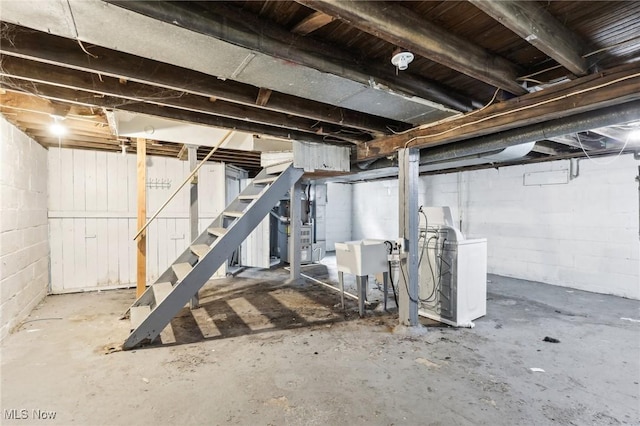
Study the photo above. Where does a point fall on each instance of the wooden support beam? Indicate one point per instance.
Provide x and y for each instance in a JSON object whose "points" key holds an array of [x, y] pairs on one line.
{"points": [[243, 159], [312, 22], [193, 209], [182, 155], [402, 27], [90, 99], [230, 23], [28, 72], [531, 21], [42, 47], [592, 92], [263, 96], [141, 258]]}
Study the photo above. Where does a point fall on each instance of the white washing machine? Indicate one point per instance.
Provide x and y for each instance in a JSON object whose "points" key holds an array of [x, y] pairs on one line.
{"points": [[452, 271]]}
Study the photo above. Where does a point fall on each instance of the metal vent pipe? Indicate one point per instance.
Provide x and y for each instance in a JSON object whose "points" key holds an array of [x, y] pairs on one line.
{"points": [[609, 116]]}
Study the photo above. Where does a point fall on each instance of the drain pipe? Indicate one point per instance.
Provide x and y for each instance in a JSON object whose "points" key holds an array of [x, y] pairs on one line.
{"points": [[574, 168], [618, 114]]}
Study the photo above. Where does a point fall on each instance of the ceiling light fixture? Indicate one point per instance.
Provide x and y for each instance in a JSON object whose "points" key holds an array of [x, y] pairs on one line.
{"points": [[57, 128], [402, 60]]}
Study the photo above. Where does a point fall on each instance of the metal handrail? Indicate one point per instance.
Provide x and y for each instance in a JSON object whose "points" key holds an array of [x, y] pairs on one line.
{"points": [[191, 175]]}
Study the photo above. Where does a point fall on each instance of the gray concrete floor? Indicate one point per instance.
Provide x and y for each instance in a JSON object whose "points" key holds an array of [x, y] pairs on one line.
{"points": [[260, 352]]}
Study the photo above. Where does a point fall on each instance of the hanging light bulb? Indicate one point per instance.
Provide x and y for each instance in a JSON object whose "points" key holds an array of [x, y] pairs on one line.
{"points": [[57, 128]]}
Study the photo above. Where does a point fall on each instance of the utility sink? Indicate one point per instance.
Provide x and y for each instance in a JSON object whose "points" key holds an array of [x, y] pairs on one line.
{"points": [[363, 257]]}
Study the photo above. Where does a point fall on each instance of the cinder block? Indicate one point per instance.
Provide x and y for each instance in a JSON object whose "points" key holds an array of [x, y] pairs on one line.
{"points": [[9, 310], [10, 241], [9, 195], [12, 285], [8, 265], [8, 220], [41, 266]]}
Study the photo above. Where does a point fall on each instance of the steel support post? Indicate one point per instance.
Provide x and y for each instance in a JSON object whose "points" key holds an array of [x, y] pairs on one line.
{"points": [[409, 161], [295, 224]]}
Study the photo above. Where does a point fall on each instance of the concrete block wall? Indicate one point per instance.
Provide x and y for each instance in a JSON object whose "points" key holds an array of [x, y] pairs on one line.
{"points": [[581, 234], [375, 210], [24, 243], [338, 214]]}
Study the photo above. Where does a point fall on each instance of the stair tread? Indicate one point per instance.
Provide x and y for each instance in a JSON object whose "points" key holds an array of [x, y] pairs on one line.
{"points": [[218, 232], [248, 197], [232, 213], [200, 249], [278, 168], [139, 314], [181, 269], [268, 179], [161, 291]]}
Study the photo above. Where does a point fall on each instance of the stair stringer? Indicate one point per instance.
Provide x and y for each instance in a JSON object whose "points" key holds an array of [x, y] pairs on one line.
{"points": [[183, 290]]}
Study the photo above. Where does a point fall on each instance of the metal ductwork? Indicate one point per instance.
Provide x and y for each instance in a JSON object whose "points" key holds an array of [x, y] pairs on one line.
{"points": [[480, 146]]}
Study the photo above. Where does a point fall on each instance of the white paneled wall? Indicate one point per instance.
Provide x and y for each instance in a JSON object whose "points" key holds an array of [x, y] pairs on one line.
{"points": [[338, 213], [92, 215], [581, 234], [24, 249]]}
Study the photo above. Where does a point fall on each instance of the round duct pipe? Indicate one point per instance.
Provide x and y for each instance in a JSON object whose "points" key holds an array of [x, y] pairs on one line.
{"points": [[480, 146]]}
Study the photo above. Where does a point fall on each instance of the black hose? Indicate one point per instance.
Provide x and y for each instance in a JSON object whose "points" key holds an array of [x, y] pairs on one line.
{"points": [[393, 287]]}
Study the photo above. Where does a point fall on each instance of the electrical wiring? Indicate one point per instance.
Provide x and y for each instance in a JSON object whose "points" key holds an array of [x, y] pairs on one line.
{"points": [[603, 163], [437, 287], [393, 287], [406, 286], [433, 274], [452, 118]]}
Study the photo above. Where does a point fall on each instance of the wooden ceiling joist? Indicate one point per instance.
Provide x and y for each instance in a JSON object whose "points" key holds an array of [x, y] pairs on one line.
{"points": [[230, 23], [36, 72], [531, 21], [399, 25], [263, 96], [42, 47], [312, 22], [87, 98]]}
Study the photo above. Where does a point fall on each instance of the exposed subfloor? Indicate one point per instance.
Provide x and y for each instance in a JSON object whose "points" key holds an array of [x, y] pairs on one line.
{"points": [[261, 352]]}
